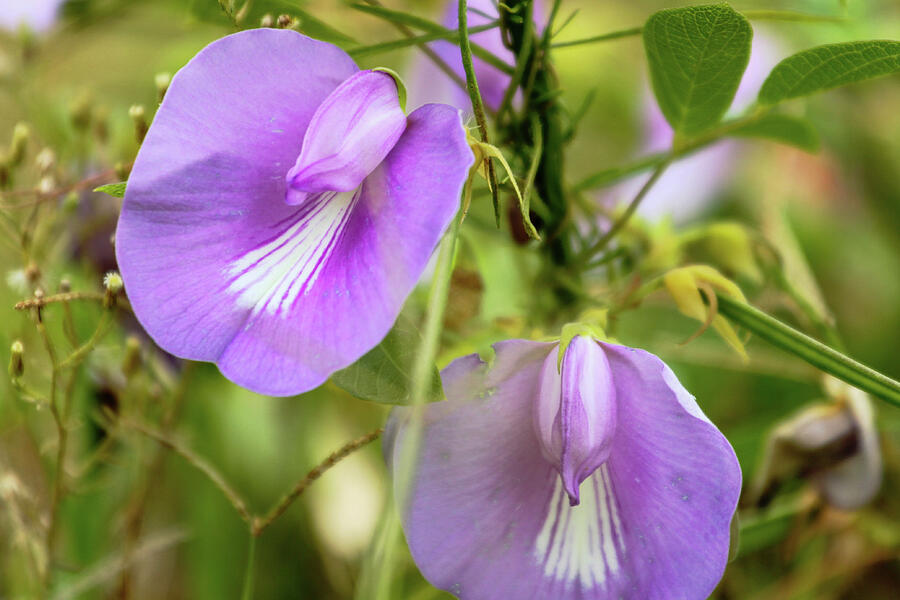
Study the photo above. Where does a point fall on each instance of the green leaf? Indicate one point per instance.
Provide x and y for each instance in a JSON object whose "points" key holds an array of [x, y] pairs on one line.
{"points": [[116, 190], [786, 129], [825, 67], [384, 374], [697, 56]]}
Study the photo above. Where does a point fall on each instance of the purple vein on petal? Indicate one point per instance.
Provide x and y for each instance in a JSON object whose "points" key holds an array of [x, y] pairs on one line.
{"points": [[272, 276], [582, 542]]}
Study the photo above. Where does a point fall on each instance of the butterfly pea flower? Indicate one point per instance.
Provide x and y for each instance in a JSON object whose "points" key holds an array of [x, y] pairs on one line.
{"points": [[282, 207], [592, 475]]}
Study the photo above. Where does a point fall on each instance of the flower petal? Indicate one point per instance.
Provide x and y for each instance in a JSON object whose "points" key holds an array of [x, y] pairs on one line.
{"points": [[853, 482], [367, 261], [349, 135], [488, 516], [219, 268], [675, 477], [576, 412]]}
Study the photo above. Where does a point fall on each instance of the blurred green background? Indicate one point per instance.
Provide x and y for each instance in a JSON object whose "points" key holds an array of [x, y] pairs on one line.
{"points": [[74, 83]]}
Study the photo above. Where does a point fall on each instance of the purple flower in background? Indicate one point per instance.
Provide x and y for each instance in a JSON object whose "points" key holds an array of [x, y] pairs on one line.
{"points": [[690, 184], [38, 15], [282, 208], [600, 479], [433, 85]]}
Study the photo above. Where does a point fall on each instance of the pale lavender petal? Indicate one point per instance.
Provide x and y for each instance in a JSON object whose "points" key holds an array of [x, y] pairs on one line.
{"points": [[489, 517], [349, 135], [676, 479], [576, 412], [38, 15], [853, 482], [219, 268]]}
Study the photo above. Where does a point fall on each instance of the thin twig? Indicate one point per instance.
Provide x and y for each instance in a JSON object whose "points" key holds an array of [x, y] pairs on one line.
{"points": [[88, 183], [66, 297], [62, 436], [614, 35], [196, 461], [80, 353], [450, 34], [260, 524], [626, 216]]}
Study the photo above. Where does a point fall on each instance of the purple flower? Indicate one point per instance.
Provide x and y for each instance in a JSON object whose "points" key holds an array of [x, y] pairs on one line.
{"points": [[433, 85], [282, 208], [602, 479]]}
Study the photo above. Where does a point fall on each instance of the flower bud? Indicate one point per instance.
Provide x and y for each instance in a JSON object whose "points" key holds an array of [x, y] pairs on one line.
{"points": [[19, 143], [162, 81], [71, 201], [267, 21], [101, 125], [113, 283], [65, 286], [137, 114], [684, 285], [80, 111], [16, 360], [285, 21], [45, 161], [46, 185], [730, 245], [32, 274], [132, 361]]}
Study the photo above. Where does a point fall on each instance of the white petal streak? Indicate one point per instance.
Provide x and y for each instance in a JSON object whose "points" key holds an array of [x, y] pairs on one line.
{"points": [[271, 276], [582, 543]]}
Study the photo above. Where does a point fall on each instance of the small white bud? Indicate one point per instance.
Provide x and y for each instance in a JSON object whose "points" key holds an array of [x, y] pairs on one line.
{"points": [[45, 160]]}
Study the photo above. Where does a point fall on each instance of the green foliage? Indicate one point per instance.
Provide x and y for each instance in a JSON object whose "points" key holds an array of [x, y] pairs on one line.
{"points": [[697, 56], [829, 66], [785, 129], [116, 190], [384, 374]]}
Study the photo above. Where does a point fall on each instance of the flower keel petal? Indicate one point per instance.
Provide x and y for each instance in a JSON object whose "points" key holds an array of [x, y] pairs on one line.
{"points": [[350, 134]]}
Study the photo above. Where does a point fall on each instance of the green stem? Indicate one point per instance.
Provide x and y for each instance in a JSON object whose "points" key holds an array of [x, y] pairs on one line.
{"points": [[250, 573], [78, 355], [465, 49], [679, 150], [421, 381], [812, 351], [515, 81], [450, 34], [756, 15], [626, 216], [614, 35]]}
